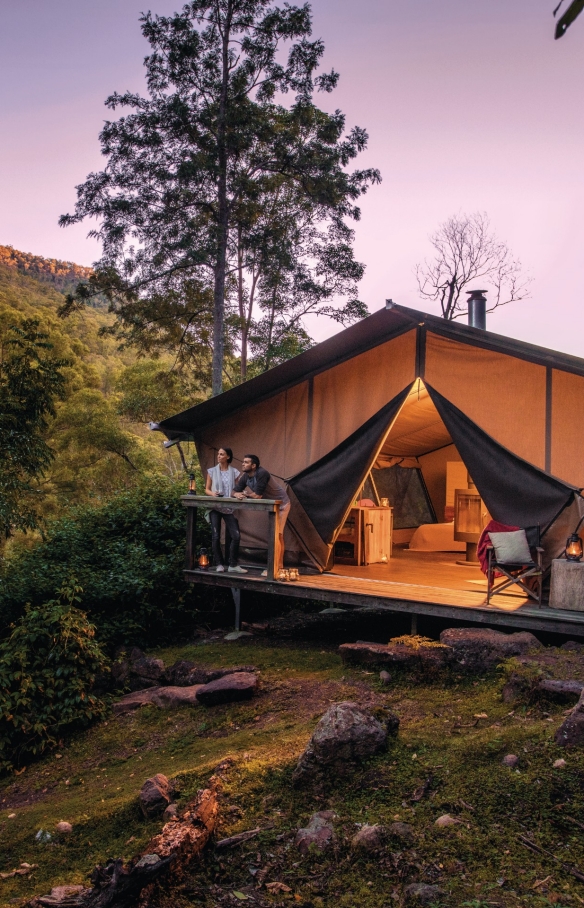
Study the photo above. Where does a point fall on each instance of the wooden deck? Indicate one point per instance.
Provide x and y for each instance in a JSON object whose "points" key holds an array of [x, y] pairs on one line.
{"points": [[416, 583]]}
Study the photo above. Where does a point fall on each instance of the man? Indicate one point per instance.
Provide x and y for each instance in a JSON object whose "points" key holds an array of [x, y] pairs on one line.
{"points": [[256, 482]]}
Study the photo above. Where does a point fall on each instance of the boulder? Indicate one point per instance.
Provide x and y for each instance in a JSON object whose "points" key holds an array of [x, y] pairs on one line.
{"points": [[401, 832], [516, 687], [228, 689], [64, 828], [155, 795], [385, 677], [153, 669], [120, 672], [185, 674], [369, 838], [396, 655], [318, 833], [571, 731], [133, 701], [170, 812], [481, 649], [422, 894], [173, 697], [344, 736]]}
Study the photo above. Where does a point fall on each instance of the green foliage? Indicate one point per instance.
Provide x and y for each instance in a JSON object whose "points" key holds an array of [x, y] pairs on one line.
{"points": [[48, 666], [128, 555], [31, 380], [210, 176]]}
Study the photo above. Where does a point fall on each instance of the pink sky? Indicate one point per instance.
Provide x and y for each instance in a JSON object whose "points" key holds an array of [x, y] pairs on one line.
{"points": [[469, 106]]}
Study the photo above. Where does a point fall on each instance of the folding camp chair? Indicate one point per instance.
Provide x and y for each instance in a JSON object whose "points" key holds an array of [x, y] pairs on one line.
{"points": [[527, 575]]}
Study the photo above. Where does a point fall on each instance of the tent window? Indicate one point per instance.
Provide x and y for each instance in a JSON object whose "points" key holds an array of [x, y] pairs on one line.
{"points": [[406, 491]]}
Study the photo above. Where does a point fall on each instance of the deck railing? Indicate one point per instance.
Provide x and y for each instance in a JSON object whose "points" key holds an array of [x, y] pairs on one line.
{"points": [[192, 502]]}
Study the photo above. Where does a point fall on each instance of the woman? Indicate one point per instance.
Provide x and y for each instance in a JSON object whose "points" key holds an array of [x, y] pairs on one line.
{"points": [[220, 481]]}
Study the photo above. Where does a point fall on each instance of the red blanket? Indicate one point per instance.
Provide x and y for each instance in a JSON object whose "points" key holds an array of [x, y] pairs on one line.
{"points": [[485, 540]]}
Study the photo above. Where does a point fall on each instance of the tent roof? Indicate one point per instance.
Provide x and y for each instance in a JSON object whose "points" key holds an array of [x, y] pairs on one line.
{"points": [[370, 332], [418, 428]]}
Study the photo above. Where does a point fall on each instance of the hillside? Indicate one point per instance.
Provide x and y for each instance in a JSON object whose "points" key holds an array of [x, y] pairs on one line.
{"points": [[100, 432]]}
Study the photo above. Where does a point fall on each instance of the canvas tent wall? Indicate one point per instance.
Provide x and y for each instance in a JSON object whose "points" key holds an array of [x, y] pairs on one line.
{"points": [[311, 411]]}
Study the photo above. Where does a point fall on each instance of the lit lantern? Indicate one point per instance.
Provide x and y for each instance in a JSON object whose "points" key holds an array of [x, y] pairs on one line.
{"points": [[574, 549], [192, 484], [203, 560]]}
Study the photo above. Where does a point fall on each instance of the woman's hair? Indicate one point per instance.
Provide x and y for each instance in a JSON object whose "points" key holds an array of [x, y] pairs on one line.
{"points": [[228, 451]]}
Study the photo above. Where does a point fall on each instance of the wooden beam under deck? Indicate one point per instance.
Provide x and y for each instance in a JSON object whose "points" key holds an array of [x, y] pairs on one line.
{"points": [[413, 599]]}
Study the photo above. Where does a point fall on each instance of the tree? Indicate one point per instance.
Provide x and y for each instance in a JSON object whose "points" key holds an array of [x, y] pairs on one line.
{"points": [[466, 251], [191, 163], [31, 380]]}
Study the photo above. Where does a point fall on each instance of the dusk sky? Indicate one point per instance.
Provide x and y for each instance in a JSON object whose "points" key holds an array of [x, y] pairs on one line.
{"points": [[469, 106]]}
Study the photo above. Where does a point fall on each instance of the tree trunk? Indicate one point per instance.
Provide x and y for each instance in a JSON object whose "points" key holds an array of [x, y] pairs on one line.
{"points": [[222, 217]]}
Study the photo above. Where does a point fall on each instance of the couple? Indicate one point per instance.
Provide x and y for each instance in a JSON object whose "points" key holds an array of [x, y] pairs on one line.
{"points": [[224, 481]]}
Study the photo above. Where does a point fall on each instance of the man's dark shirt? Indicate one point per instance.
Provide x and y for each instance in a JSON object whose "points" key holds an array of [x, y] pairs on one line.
{"points": [[262, 484]]}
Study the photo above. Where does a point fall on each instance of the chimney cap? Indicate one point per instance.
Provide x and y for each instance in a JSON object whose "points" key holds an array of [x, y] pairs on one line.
{"points": [[476, 293]]}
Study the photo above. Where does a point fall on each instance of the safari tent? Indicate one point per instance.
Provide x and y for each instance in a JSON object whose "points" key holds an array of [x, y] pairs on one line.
{"points": [[395, 402]]}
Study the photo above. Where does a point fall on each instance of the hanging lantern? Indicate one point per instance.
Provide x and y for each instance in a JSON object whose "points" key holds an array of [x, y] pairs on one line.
{"points": [[203, 560], [574, 549], [192, 484]]}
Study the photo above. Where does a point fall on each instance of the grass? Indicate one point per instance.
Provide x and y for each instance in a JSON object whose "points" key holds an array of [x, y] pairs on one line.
{"points": [[93, 782]]}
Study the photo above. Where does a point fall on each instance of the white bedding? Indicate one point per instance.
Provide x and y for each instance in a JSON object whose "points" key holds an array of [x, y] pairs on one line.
{"points": [[435, 537]]}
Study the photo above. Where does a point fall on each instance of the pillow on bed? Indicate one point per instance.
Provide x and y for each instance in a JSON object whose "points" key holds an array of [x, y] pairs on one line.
{"points": [[511, 548]]}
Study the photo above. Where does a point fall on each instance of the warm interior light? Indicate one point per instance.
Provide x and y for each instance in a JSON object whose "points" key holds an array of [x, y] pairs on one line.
{"points": [[203, 559], [192, 484], [574, 550]]}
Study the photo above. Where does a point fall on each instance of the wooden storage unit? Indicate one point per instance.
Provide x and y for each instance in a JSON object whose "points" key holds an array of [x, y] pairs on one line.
{"points": [[365, 537]]}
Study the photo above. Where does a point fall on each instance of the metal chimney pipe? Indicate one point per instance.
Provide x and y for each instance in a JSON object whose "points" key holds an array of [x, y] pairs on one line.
{"points": [[477, 309]]}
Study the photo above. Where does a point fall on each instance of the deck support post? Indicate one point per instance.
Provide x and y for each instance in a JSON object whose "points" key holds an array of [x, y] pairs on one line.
{"points": [[273, 539], [414, 625], [191, 538], [236, 593]]}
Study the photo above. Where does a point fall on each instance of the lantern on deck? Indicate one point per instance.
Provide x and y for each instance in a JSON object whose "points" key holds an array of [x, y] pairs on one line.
{"points": [[192, 484], [574, 550], [203, 560]]}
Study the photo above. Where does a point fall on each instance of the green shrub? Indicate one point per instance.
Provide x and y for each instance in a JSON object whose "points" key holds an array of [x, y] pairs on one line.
{"points": [[48, 666], [128, 555]]}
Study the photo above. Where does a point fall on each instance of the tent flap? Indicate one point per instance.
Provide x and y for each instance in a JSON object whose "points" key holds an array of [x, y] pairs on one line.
{"points": [[514, 491], [326, 488]]}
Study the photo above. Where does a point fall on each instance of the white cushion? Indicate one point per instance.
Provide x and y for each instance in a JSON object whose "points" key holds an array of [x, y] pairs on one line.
{"points": [[511, 548]]}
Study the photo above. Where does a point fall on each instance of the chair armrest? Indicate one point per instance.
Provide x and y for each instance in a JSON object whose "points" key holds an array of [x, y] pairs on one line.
{"points": [[538, 548]]}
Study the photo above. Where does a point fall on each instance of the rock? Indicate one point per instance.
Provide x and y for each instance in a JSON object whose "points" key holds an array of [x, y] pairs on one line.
{"points": [[229, 689], [43, 837], [398, 655], [173, 697], [385, 677], [148, 860], [571, 731], [120, 672], [561, 690], [559, 764], [422, 894], [185, 674], [152, 669], [237, 635], [446, 820], [510, 760], [155, 795], [163, 697], [369, 838], [345, 735], [516, 688], [572, 645], [136, 654], [170, 812], [64, 828], [402, 832], [318, 833], [481, 649]]}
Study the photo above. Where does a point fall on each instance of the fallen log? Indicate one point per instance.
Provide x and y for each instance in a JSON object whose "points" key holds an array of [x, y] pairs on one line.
{"points": [[238, 839], [119, 885]]}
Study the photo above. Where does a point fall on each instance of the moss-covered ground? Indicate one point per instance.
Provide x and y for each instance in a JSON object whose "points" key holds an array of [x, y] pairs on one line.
{"points": [[453, 730]]}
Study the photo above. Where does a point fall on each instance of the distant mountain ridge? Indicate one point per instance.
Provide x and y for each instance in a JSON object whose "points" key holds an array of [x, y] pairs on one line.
{"points": [[64, 276]]}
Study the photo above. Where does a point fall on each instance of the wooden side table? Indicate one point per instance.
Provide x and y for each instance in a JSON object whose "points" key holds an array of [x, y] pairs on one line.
{"points": [[567, 586]]}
